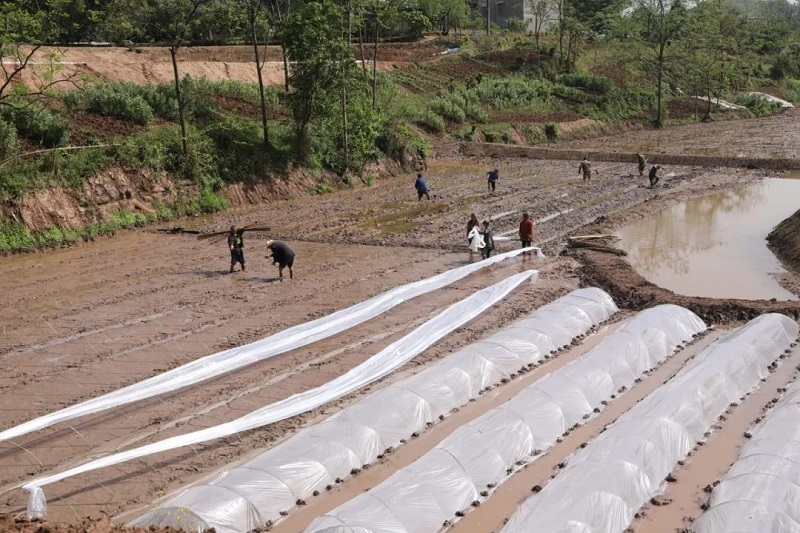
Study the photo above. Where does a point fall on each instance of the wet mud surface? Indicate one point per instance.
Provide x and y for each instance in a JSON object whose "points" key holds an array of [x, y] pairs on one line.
{"points": [[80, 322]]}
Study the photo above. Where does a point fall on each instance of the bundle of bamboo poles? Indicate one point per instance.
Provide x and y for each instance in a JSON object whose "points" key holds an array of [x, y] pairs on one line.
{"points": [[599, 243], [219, 236]]}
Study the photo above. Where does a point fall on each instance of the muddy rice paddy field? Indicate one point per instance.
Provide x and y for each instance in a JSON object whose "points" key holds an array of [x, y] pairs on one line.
{"points": [[80, 322]]}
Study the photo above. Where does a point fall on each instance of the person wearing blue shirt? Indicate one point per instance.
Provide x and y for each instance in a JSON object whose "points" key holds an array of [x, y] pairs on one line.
{"points": [[493, 176], [422, 188]]}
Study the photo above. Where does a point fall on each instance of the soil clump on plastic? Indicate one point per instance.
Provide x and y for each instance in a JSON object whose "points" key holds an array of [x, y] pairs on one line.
{"points": [[83, 321]]}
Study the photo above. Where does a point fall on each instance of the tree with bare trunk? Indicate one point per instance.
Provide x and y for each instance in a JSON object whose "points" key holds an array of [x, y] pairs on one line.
{"points": [[25, 27], [256, 18], [543, 12], [649, 35], [173, 18]]}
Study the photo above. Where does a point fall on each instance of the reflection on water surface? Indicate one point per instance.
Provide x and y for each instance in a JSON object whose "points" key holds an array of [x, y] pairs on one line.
{"points": [[716, 246]]}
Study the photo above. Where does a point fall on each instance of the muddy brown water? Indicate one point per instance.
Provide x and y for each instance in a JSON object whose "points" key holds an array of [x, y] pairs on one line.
{"points": [[715, 246]]}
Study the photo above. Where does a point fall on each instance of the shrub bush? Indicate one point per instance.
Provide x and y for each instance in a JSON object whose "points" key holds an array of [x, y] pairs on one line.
{"points": [[118, 99], [551, 131], [8, 139], [15, 237], [591, 82], [757, 105], [433, 122], [37, 124]]}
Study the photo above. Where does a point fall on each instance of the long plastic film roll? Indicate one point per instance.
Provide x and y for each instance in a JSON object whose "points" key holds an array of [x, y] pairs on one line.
{"points": [[377, 366], [229, 360]]}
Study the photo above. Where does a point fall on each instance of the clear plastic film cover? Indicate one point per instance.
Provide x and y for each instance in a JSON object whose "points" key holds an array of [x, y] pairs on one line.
{"points": [[606, 483], [241, 356], [479, 453], [761, 491], [379, 365], [380, 420]]}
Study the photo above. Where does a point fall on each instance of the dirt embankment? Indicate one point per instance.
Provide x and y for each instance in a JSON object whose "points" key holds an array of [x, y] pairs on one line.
{"points": [[534, 152], [99, 198], [142, 191], [784, 241]]}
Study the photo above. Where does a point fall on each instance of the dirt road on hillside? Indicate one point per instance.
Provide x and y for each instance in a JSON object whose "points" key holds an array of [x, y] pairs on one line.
{"points": [[88, 320]]}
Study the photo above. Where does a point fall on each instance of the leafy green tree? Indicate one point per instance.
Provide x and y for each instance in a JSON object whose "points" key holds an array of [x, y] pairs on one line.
{"points": [[222, 20], [322, 61], [649, 33], [711, 62], [172, 19], [257, 21], [543, 12]]}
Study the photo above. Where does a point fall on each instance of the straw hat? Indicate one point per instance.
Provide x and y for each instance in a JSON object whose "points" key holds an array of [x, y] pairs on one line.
{"points": [[269, 243]]}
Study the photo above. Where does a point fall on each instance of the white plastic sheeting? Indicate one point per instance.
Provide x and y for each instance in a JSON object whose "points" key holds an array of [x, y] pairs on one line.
{"points": [[761, 491], [229, 360], [257, 491], [390, 358], [605, 484], [422, 496]]}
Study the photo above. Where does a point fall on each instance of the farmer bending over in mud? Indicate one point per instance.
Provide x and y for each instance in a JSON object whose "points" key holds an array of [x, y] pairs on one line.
{"points": [[282, 255], [526, 229], [236, 246], [654, 177], [493, 176], [585, 168]]}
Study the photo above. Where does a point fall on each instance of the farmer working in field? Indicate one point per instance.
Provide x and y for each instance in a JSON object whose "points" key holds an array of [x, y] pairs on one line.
{"points": [[526, 229], [493, 176], [472, 224], [642, 163], [282, 255], [585, 168], [422, 188], [236, 246], [654, 177], [488, 239]]}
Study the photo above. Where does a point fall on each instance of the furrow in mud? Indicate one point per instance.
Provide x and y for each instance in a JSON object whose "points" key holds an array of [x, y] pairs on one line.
{"points": [[505, 499], [682, 502]]}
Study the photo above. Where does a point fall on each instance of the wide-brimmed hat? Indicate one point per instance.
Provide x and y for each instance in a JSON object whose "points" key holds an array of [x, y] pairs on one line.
{"points": [[269, 243]]}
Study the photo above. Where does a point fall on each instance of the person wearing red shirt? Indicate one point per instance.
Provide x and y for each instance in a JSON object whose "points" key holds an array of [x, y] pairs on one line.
{"points": [[526, 228]]}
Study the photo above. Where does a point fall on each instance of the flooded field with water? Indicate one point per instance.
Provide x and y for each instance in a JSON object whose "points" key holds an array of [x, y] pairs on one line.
{"points": [[715, 246]]}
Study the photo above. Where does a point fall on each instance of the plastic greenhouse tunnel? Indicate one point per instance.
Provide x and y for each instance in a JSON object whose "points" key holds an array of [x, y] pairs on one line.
{"points": [[258, 491], [446, 480], [605, 484], [761, 491]]}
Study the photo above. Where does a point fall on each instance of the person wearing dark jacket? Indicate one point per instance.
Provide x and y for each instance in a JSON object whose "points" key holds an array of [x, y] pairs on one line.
{"points": [[488, 239], [586, 169], [492, 178], [282, 255], [654, 177], [236, 246], [422, 188]]}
